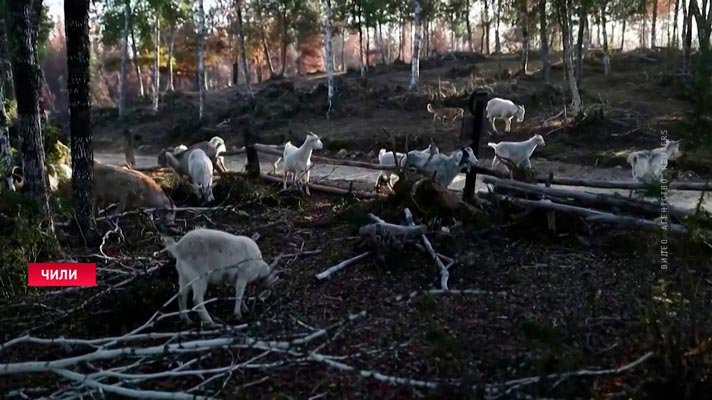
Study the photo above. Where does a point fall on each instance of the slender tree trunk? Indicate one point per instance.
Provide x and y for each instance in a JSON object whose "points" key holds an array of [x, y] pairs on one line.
{"points": [[76, 17], [285, 44], [687, 42], [267, 56], [414, 62], [156, 61], [243, 51], [525, 36], [171, 43], [546, 66], [137, 65], [367, 48], [380, 43], [27, 88], [497, 47], [579, 44], [606, 56], [201, 63], [6, 159], [623, 35], [329, 54], [567, 39], [653, 26], [5, 64], [124, 59], [343, 48], [487, 26], [468, 25], [674, 25], [482, 35], [401, 56], [360, 45], [684, 22]]}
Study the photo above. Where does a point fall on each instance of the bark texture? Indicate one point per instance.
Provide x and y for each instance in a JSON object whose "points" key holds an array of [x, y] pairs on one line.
{"points": [[78, 83], [201, 62], [243, 52], [546, 66], [124, 59], [415, 59], [156, 59], [329, 53]]}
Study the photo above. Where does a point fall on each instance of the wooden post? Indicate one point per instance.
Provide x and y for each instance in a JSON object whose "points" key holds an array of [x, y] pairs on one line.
{"points": [[253, 161], [478, 104], [129, 149]]}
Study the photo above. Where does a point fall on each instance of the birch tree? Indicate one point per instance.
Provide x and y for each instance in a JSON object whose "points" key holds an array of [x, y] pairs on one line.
{"points": [[243, 51], [524, 22], [329, 54], [124, 59], [470, 45], [76, 20], [200, 14], [653, 26], [156, 55], [414, 62], [26, 72]]}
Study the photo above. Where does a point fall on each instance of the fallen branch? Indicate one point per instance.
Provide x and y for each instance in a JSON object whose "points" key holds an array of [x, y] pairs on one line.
{"points": [[592, 215], [327, 273], [444, 273], [328, 189]]}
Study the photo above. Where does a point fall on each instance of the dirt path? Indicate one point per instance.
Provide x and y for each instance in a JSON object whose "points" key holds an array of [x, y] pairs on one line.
{"points": [[366, 178]]}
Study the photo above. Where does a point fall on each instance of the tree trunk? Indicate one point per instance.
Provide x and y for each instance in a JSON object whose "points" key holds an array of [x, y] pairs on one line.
{"points": [[402, 42], [367, 48], [653, 25], [546, 67], [684, 23], [497, 47], [329, 55], [687, 42], [156, 61], [243, 51], [380, 43], [201, 62], [674, 26], [606, 56], [5, 64], [488, 23], [27, 85], [137, 66], [482, 35], [78, 83], [171, 43], [6, 159], [285, 43], [579, 44], [470, 44], [623, 35], [567, 39], [360, 45], [414, 62], [124, 59], [343, 49], [525, 36]]}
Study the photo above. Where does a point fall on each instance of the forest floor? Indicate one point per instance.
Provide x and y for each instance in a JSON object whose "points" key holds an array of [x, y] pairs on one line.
{"points": [[534, 302]]}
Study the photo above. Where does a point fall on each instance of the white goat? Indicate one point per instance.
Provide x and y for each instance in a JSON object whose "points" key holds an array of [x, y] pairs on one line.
{"points": [[415, 158], [444, 168], [504, 109], [297, 160], [200, 168], [517, 152], [209, 257], [647, 165]]}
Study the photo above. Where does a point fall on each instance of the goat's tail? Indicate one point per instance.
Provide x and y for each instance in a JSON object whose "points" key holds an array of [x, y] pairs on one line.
{"points": [[430, 108]]}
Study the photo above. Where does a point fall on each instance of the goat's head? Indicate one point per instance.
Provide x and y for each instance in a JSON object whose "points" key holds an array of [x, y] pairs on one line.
{"points": [[16, 180], [433, 149], [314, 141], [268, 274], [205, 191], [217, 141], [468, 158], [672, 147], [539, 140], [520, 113]]}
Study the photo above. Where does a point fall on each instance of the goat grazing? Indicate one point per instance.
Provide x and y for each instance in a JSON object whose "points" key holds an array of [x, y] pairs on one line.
{"points": [[648, 165], [415, 158], [297, 160], [210, 257], [178, 157], [446, 112], [504, 109], [130, 189], [201, 172], [518, 153], [445, 167]]}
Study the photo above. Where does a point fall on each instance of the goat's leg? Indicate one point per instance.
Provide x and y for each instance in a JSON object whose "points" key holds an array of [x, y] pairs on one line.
{"points": [[274, 165], [306, 182], [199, 288], [494, 126], [509, 125], [239, 292], [284, 181], [183, 291]]}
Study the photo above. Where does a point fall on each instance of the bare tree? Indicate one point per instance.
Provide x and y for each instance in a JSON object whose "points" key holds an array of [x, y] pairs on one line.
{"points": [[564, 9], [415, 58], [156, 58], [76, 20], [329, 54], [606, 55], [653, 26], [201, 63], [124, 59], [524, 21], [5, 64], [243, 52], [470, 45], [546, 66], [26, 72], [497, 44]]}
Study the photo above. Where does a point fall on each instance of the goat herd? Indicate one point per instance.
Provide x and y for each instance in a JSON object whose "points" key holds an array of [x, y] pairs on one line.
{"points": [[206, 256]]}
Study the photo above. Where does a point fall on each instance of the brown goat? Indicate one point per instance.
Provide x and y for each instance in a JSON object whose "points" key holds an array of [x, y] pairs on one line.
{"points": [[130, 189]]}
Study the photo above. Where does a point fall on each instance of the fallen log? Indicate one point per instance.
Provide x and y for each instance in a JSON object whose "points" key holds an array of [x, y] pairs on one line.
{"points": [[588, 199], [593, 215], [629, 185], [325, 188]]}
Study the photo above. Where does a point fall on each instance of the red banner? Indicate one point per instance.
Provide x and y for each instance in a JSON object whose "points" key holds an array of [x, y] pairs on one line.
{"points": [[61, 274]]}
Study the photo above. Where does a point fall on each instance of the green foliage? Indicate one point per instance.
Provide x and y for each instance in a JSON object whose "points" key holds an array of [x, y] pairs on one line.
{"points": [[52, 133], [10, 110]]}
